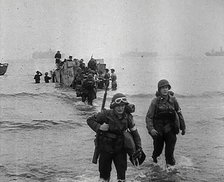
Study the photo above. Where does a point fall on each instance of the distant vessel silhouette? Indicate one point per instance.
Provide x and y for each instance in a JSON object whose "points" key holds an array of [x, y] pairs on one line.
{"points": [[3, 68], [142, 54], [44, 54], [215, 53]]}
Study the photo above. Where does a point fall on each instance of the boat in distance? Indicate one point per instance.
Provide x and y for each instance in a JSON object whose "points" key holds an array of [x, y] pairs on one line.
{"points": [[139, 54], [3, 68], [215, 53]]}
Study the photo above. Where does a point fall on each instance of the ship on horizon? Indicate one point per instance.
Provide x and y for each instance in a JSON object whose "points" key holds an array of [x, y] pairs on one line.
{"points": [[215, 53], [137, 53]]}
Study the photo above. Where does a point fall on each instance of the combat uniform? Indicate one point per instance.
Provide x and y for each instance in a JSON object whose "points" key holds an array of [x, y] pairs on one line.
{"points": [[89, 90], [164, 115], [111, 142]]}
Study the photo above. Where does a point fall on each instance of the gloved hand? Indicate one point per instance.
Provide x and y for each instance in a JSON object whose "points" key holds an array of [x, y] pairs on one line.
{"points": [[137, 154], [137, 158], [104, 127], [135, 161], [183, 132], [154, 132]]}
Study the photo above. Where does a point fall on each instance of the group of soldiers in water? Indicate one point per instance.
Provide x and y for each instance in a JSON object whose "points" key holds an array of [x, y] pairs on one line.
{"points": [[86, 82], [88, 78], [39, 74], [116, 131]]}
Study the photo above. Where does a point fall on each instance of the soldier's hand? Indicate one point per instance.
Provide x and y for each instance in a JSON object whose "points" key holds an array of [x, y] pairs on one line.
{"points": [[104, 127], [183, 132], [138, 153], [154, 132]]}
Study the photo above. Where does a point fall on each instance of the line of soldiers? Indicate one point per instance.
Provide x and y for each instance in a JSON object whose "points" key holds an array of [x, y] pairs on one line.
{"points": [[88, 78], [87, 81]]}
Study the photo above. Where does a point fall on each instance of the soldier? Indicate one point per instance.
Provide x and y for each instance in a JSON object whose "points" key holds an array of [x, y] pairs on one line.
{"points": [[89, 89], [163, 121], [100, 80], [92, 64], [113, 77], [57, 57], [46, 78], [69, 58], [107, 78], [110, 126], [37, 77]]}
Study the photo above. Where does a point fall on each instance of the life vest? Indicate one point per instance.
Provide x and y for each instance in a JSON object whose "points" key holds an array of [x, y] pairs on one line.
{"points": [[166, 116]]}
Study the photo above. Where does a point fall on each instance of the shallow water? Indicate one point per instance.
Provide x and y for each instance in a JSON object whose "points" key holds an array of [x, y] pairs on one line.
{"points": [[44, 135]]}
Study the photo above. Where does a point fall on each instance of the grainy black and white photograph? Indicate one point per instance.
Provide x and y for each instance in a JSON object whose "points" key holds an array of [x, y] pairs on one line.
{"points": [[111, 90]]}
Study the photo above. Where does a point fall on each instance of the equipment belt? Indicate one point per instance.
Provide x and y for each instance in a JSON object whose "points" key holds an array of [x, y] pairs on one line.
{"points": [[111, 135]]}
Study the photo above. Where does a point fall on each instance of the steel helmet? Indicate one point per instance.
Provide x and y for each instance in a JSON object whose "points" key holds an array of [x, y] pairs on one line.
{"points": [[163, 83], [118, 99]]}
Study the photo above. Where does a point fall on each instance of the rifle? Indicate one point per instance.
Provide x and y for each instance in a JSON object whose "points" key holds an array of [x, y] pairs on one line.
{"points": [[104, 97], [96, 150]]}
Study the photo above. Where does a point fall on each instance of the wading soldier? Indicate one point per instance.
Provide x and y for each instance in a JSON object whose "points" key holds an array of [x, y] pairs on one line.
{"points": [[163, 121], [110, 126]]}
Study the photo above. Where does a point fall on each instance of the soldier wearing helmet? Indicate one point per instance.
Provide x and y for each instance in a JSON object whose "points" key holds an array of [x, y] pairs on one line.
{"points": [[46, 78], [110, 124], [113, 77], [57, 57], [89, 89], [37, 76], [163, 121]]}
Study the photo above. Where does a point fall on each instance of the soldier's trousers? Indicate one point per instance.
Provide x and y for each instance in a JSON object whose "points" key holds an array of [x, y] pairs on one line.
{"points": [[120, 162], [170, 140]]}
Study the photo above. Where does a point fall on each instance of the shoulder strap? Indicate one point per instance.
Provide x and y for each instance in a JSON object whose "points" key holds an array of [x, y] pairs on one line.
{"points": [[174, 102], [156, 106], [129, 120]]}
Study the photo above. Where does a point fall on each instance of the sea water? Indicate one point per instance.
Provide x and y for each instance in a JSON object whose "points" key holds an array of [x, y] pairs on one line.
{"points": [[44, 135]]}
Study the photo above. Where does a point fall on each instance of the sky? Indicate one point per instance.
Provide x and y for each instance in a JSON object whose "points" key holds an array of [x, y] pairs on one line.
{"points": [[108, 28]]}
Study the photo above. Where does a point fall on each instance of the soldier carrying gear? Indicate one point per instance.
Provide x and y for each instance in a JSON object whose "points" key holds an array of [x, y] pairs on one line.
{"points": [[111, 124], [163, 121], [89, 89]]}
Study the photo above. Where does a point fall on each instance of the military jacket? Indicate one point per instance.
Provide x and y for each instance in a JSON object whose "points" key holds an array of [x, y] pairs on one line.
{"points": [[162, 114], [112, 140], [116, 125]]}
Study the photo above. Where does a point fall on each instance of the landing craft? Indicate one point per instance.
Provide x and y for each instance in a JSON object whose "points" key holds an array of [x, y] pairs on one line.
{"points": [[66, 74], [3, 68]]}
